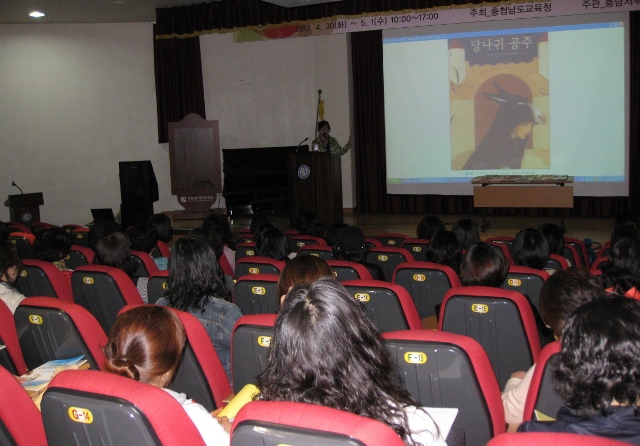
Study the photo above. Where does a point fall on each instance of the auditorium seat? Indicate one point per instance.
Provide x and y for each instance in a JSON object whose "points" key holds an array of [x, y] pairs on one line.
{"points": [[163, 249], [581, 249], [81, 237], [417, 247], [146, 264], [51, 329], [298, 241], [157, 286], [11, 357], [393, 239], [427, 283], [250, 340], [284, 422], [527, 281], [103, 291], [503, 240], [505, 250], [258, 265], [448, 370], [388, 258], [323, 251], [20, 419], [597, 265], [245, 249], [79, 256], [257, 294], [556, 262], [389, 305], [40, 278], [112, 410], [24, 244], [371, 242], [500, 320], [344, 270], [542, 397]]}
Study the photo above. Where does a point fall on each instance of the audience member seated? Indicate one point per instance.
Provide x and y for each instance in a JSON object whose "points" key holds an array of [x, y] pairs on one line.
{"points": [[325, 350], [531, 249], [444, 249], [99, 230], [220, 224], [555, 238], [561, 294], [146, 344], [162, 223], [621, 273], [260, 220], [114, 250], [311, 224], [467, 233], [349, 245], [428, 227], [486, 265], [195, 286], [272, 243], [144, 238], [10, 267], [598, 372], [332, 231], [302, 269], [210, 234], [53, 245]]}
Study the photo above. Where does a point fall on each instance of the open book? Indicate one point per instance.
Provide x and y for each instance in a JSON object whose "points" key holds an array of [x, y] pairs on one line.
{"points": [[37, 380]]}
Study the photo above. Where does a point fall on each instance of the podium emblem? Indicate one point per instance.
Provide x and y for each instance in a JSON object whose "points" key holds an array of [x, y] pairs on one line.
{"points": [[304, 172]]}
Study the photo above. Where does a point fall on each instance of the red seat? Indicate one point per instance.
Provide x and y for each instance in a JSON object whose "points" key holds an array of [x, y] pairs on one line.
{"points": [[389, 305], [20, 419], [79, 256], [258, 265], [392, 239], [427, 283], [250, 340], [505, 250], [13, 361], [24, 244], [581, 249], [527, 281], [500, 320], [302, 423], [40, 278], [426, 359], [81, 237], [16, 226], [257, 294], [51, 329], [344, 270], [417, 247], [573, 256], [225, 265], [556, 262], [121, 410], [597, 265], [298, 241], [604, 250], [388, 258], [371, 242], [200, 374], [146, 264], [163, 248], [157, 286], [542, 396], [103, 290], [502, 240], [323, 251], [247, 249]]}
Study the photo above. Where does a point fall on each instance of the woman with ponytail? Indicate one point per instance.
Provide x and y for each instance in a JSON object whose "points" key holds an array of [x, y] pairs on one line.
{"points": [[145, 344]]}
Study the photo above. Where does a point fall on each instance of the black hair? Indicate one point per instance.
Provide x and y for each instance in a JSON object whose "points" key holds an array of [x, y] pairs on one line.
{"points": [[565, 291], [312, 224], [99, 230], [8, 257], [162, 223], [429, 226], [114, 250], [444, 249], [322, 124], [194, 274], [52, 245], [555, 237], [272, 243], [624, 232], [484, 265], [143, 236], [260, 217], [220, 223], [599, 360], [530, 249], [467, 233], [5, 230], [332, 231], [325, 350], [622, 271]]}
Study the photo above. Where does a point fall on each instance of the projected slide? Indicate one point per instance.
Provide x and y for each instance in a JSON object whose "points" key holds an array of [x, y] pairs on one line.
{"points": [[546, 98]]}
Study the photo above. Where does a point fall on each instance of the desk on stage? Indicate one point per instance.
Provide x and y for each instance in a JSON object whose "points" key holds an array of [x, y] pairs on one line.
{"points": [[522, 191]]}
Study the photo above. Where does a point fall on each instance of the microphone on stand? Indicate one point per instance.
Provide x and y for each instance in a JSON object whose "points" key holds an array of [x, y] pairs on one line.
{"points": [[13, 183], [301, 142]]}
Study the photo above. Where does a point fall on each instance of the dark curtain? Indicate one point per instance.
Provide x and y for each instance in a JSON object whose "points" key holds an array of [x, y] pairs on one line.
{"points": [[366, 49], [179, 85]]}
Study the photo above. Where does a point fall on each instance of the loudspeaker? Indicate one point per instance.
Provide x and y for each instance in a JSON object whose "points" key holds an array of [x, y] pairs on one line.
{"points": [[138, 183]]}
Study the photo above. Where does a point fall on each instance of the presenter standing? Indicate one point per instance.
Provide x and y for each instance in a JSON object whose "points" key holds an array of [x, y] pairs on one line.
{"points": [[326, 142]]}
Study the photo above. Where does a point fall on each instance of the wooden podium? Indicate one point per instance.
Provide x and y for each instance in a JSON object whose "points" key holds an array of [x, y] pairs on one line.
{"points": [[315, 185], [25, 208]]}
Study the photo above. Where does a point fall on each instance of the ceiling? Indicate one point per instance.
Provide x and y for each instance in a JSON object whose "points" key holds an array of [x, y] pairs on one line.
{"points": [[101, 11]]}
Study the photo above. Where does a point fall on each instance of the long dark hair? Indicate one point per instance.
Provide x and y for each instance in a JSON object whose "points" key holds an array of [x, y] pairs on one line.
{"points": [[325, 350], [622, 271], [444, 249], [193, 274]]}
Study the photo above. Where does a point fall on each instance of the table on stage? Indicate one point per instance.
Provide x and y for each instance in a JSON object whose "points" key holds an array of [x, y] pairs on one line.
{"points": [[522, 191]]}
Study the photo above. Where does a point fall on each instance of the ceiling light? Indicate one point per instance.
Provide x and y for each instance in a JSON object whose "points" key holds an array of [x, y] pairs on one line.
{"points": [[36, 14]]}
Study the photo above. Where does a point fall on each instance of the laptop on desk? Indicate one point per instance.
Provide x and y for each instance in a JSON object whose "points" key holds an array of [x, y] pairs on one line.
{"points": [[103, 214]]}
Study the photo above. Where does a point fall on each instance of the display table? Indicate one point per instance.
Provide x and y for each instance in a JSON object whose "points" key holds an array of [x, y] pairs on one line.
{"points": [[522, 191]]}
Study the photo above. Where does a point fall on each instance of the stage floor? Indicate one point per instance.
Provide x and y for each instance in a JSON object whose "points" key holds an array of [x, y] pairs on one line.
{"points": [[374, 224]]}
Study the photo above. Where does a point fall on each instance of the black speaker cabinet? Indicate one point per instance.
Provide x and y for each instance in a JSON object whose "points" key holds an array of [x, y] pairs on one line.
{"points": [[138, 183]]}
